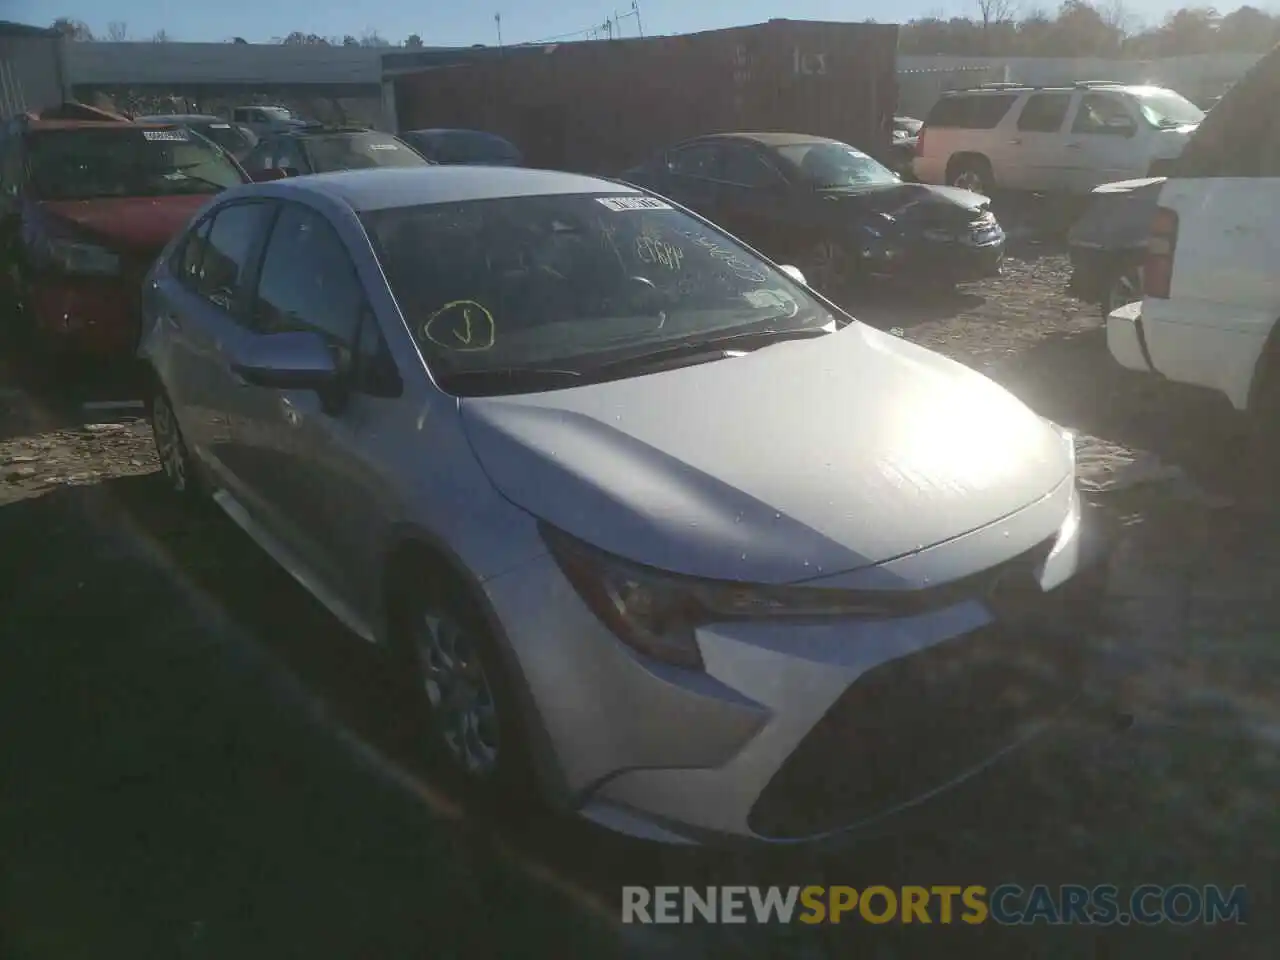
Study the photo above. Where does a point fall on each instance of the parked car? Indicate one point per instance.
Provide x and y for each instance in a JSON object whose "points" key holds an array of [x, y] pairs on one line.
{"points": [[266, 120], [235, 138], [1064, 139], [84, 208], [902, 151], [830, 209], [464, 146], [1208, 316], [584, 464], [1108, 243], [320, 149]]}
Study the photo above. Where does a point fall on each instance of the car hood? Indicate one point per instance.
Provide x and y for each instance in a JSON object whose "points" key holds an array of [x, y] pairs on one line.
{"points": [[906, 201], [802, 459], [144, 224]]}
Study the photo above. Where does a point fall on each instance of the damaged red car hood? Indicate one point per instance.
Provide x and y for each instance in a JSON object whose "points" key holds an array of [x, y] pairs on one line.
{"points": [[138, 223]]}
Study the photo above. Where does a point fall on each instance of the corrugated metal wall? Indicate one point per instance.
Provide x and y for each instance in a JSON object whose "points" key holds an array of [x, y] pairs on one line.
{"points": [[603, 106], [30, 73]]}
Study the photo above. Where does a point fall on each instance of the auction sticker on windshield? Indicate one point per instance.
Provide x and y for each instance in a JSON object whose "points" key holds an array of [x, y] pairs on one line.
{"points": [[168, 135], [383, 146], [625, 204]]}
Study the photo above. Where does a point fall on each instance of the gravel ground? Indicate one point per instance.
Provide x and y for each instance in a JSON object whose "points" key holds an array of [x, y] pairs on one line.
{"points": [[1187, 794]]}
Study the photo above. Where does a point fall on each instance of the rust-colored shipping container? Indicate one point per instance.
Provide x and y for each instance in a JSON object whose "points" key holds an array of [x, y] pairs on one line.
{"points": [[601, 106]]}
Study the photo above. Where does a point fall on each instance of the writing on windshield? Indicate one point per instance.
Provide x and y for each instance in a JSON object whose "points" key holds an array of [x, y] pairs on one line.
{"points": [[833, 166], [83, 164], [571, 279]]}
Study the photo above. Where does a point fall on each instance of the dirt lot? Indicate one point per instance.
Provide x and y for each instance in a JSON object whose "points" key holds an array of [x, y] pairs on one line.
{"points": [[196, 762]]}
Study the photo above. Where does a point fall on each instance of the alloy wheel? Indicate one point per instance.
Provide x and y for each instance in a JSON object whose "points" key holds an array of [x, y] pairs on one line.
{"points": [[970, 180], [822, 265], [459, 692]]}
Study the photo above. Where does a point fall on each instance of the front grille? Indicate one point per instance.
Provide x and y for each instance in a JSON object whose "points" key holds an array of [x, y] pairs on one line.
{"points": [[911, 725]]}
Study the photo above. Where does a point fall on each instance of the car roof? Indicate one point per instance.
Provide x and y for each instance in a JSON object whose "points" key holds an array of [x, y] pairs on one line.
{"points": [[38, 125], [319, 130], [387, 187], [469, 130], [179, 118], [765, 139]]}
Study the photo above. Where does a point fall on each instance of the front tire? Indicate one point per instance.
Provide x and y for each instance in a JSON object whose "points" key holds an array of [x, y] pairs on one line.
{"points": [[824, 265], [457, 686]]}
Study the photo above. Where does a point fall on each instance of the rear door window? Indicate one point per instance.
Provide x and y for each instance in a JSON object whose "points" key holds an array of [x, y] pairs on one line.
{"points": [[700, 160], [972, 112], [224, 270], [1044, 112], [744, 167], [187, 263]]}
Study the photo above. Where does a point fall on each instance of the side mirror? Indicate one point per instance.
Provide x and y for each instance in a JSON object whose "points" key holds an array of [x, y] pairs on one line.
{"points": [[267, 175], [298, 360], [794, 273], [290, 171], [1121, 126]]}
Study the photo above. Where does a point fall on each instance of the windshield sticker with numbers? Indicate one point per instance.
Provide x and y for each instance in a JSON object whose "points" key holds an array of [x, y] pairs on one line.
{"points": [[627, 204], [168, 135]]}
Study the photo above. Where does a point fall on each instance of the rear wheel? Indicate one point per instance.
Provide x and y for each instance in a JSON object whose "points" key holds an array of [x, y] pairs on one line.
{"points": [[971, 173], [171, 448]]}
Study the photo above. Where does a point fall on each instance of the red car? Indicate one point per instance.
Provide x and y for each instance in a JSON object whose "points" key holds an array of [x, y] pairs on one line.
{"points": [[85, 207]]}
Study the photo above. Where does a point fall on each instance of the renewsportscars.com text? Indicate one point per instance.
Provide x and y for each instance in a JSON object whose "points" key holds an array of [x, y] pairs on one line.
{"points": [[1007, 904]]}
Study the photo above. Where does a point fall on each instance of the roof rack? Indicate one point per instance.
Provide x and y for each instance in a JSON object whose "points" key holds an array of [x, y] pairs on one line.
{"points": [[1099, 83]]}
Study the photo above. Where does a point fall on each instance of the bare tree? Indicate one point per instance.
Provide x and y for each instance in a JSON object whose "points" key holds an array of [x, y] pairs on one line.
{"points": [[161, 36], [996, 11], [1117, 15], [117, 31]]}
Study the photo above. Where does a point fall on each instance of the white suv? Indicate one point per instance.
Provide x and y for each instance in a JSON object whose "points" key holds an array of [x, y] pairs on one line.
{"points": [[1212, 274], [1061, 139]]}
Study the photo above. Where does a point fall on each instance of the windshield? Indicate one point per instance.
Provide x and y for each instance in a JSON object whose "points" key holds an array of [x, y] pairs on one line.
{"points": [[835, 166], [1164, 108], [464, 146], [573, 281], [125, 161], [230, 137], [279, 113], [358, 151]]}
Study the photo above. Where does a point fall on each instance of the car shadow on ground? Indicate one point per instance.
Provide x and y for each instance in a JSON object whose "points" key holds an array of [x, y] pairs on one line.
{"points": [[886, 306], [1073, 380], [170, 791]]}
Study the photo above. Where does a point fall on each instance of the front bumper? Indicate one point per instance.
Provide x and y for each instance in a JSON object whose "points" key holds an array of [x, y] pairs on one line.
{"points": [[803, 731], [937, 261], [84, 315], [1126, 339]]}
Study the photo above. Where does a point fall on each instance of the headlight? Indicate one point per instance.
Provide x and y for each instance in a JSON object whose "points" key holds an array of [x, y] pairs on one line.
{"points": [[89, 259], [657, 613]]}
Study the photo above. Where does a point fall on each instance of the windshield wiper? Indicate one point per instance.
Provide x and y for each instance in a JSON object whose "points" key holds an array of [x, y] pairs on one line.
{"points": [[717, 348], [511, 378]]}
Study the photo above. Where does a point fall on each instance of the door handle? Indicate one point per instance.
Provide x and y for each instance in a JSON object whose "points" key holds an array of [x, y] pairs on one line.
{"points": [[1073, 146], [1017, 141]]}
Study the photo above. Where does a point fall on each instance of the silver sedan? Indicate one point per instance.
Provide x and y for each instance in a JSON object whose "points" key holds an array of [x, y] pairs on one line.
{"points": [[653, 526]]}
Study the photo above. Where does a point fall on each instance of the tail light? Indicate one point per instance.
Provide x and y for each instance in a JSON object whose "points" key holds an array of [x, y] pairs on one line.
{"points": [[1157, 272], [920, 143]]}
